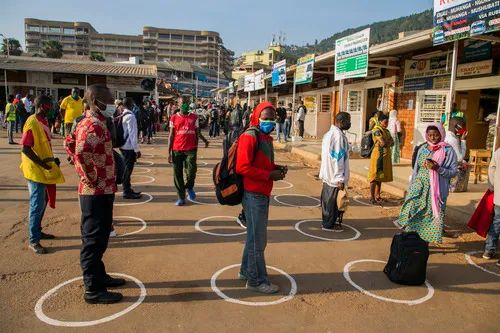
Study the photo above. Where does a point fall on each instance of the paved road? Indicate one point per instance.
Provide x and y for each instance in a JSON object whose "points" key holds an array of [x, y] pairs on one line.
{"points": [[175, 263]]}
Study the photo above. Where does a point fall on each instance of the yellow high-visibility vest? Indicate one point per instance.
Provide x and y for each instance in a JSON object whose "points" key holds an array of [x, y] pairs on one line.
{"points": [[42, 149]]}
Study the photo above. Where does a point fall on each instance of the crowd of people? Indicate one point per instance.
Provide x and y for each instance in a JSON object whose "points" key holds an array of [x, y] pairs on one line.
{"points": [[102, 138]]}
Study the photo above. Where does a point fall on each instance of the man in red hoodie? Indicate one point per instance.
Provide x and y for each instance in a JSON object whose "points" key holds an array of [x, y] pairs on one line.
{"points": [[255, 163]]}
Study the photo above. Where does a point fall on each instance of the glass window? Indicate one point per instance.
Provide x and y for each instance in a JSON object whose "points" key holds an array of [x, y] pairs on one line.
{"points": [[54, 29], [354, 101], [178, 37], [188, 37], [33, 28], [432, 107], [69, 31], [326, 103], [164, 36]]}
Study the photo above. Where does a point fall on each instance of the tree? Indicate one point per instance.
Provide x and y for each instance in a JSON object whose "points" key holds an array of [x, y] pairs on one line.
{"points": [[14, 47], [53, 49], [96, 56]]}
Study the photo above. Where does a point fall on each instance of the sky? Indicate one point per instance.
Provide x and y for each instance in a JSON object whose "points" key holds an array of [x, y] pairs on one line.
{"points": [[243, 25]]}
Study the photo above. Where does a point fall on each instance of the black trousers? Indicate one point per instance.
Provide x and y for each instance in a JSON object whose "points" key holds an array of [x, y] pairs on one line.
{"points": [[301, 128], [129, 159], [329, 210], [97, 217]]}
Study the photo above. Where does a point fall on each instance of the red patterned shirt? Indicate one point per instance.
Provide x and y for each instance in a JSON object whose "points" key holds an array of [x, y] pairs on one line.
{"points": [[94, 161]]}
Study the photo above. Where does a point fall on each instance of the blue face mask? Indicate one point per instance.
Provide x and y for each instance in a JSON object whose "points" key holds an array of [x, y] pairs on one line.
{"points": [[267, 126]]}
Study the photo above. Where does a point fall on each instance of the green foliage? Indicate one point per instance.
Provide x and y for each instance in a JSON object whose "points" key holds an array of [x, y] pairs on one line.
{"points": [[96, 56], [53, 49], [381, 32], [14, 47]]}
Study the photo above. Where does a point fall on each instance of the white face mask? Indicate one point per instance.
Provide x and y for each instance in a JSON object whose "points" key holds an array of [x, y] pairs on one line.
{"points": [[109, 111]]}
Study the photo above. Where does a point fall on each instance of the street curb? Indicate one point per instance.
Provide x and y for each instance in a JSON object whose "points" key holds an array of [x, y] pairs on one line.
{"points": [[455, 214]]}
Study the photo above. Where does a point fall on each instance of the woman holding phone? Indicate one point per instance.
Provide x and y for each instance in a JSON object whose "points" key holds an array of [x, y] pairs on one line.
{"points": [[425, 205]]}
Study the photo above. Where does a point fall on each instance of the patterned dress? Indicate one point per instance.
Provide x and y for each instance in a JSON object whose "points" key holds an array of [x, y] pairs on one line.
{"points": [[416, 213]]}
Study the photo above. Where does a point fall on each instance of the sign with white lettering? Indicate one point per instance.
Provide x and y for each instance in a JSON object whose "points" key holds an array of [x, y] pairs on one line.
{"points": [[351, 55], [459, 19]]}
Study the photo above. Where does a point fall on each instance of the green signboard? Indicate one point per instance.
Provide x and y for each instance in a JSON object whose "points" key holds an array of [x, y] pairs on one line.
{"points": [[351, 55]]}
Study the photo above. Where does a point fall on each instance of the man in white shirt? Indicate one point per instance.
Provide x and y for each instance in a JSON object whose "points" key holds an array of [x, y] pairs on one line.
{"points": [[334, 170], [130, 150], [301, 117], [455, 137]]}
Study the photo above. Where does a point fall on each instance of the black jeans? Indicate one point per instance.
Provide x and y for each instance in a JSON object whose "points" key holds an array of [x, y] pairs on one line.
{"points": [[329, 210], [129, 159], [97, 217], [301, 128]]}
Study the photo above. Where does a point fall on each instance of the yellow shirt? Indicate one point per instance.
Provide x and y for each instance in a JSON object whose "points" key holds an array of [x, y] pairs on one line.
{"points": [[74, 109]]}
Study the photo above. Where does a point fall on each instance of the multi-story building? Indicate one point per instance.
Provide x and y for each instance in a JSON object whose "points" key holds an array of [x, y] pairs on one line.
{"points": [[203, 48]]}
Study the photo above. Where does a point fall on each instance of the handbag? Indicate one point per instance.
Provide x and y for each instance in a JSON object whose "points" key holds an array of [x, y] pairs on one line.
{"points": [[482, 218]]}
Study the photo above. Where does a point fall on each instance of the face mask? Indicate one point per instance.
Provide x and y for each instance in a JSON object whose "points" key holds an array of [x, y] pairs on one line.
{"points": [[75, 96], [267, 126], [109, 111]]}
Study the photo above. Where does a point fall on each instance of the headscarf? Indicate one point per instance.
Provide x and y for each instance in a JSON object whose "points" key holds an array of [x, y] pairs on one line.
{"points": [[438, 156], [393, 120], [254, 121]]}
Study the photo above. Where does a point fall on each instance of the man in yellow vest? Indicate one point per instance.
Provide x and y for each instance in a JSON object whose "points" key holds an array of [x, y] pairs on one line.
{"points": [[10, 118], [40, 169], [71, 108]]}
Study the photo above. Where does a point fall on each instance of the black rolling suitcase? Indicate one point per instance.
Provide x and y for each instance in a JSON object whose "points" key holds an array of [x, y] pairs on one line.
{"points": [[407, 262]]}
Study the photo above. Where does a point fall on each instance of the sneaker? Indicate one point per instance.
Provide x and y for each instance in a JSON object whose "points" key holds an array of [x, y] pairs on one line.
{"points": [[242, 277], [489, 254], [180, 202], [37, 248], [113, 234], [110, 282], [338, 228], [498, 263], [264, 288], [241, 220], [47, 236], [102, 297], [191, 194]]}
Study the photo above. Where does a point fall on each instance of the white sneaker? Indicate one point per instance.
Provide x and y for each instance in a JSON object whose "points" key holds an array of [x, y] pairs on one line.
{"points": [[113, 234]]}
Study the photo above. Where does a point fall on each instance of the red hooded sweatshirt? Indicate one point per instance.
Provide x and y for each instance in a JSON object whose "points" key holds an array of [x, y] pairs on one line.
{"points": [[256, 163]]}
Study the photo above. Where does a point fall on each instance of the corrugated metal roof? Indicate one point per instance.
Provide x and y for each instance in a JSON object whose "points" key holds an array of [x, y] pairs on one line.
{"points": [[75, 66]]}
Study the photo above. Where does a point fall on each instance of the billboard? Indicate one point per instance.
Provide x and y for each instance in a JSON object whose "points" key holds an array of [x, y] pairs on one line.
{"points": [[351, 55], [259, 80], [279, 73], [249, 83], [304, 70], [458, 19]]}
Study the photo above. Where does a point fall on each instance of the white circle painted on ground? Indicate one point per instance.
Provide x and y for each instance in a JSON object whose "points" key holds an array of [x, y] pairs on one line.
{"points": [[210, 183], [197, 226], [149, 155], [54, 322], [296, 195], [134, 203], [360, 199], [291, 294], [471, 262], [149, 181], [347, 268], [356, 231], [144, 224], [141, 170], [207, 172], [286, 186], [313, 174], [144, 163], [202, 203]]}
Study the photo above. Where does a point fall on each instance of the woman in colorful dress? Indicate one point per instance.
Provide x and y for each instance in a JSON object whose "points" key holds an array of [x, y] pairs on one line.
{"points": [[380, 164], [395, 130], [425, 205]]}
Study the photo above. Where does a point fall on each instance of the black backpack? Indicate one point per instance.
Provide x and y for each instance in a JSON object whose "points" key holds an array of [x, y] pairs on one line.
{"points": [[367, 145], [407, 262], [119, 138], [229, 184]]}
